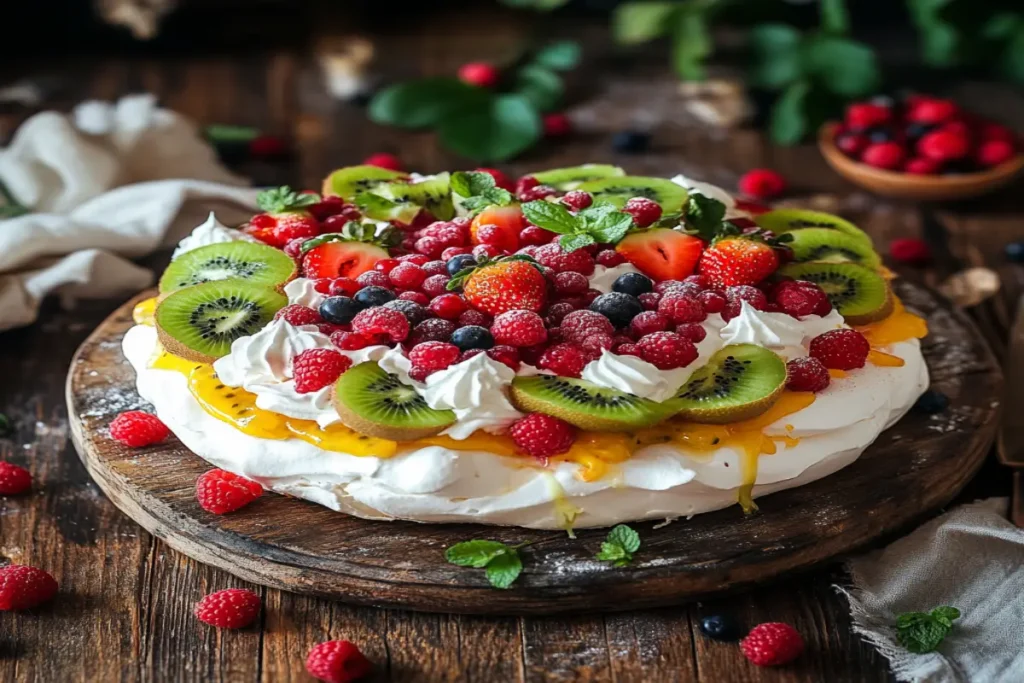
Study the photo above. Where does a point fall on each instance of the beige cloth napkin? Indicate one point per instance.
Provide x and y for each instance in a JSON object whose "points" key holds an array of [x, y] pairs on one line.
{"points": [[971, 558]]}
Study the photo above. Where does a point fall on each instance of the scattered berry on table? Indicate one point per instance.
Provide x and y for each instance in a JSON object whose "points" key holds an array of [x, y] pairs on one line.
{"points": [[379, 320], [843, 349], [338, 310], [720, 627], [229, 608], [631, 141], [931, 402], [298, 315], [619, 308], [268, 147], [762, 183], [519, 328], [384, 160], [373, 295], [221, 492], [557, 124], [136, 429], [807, 374], [645, 212], [542, 436], [578, 199], [24, 587], [314, 369], [432, 355], [472, 337], [884, 155], [337, 661], [667, 350], [772, 644], [14, 479], [563, 359], [910, 250], [480, 74]]}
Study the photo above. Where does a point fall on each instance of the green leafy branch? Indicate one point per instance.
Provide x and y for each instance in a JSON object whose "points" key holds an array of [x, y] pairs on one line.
{"points": [[922, 632], [685, 22]]}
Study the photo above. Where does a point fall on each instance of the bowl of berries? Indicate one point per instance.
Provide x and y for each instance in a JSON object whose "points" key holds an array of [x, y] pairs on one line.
{"points": [[923, 149]]}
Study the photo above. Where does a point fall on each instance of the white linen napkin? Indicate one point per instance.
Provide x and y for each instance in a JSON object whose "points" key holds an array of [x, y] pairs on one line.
{"points": [[971, 558], [107, 184]]}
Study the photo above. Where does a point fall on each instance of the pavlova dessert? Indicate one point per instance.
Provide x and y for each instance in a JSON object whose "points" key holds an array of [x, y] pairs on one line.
{"points": [[579, 348]]}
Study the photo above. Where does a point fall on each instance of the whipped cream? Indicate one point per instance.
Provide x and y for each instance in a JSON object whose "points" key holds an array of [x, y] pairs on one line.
{"points": [[476, 389], [300, 291], [604, 277], [778, 331], [211, 231]]}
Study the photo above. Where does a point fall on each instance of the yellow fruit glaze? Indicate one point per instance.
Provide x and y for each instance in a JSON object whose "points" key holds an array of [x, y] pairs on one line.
{"points": [[143, 312], [901, 325]]}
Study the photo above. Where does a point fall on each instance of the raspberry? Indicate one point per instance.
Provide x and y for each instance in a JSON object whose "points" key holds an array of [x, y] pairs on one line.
{"points": [[552, 256], [713, 302], [488, 250], [220, 492], [384, 160], [343, 286], [647, 322], [297, 315], [862, 115], [569, 283], [665, 286], [590, 295], [327, 207], [921, 166], [911, 251], [532, 235], [887, 155], [373, 278], [823, 305], [500, 179], [692, 331], [386, 265], [469, 353], [609, 258], [474, 317], [433, 355], [567, 360], [994, 152], [596, 343], [407, 276], [350, 341], [527, 182], [807, 374], [629, 350], [752, 295], [418, 259], [509, 355], [24, 587], [681, 308], [480, 74], [649, 300], [772, 644], [13, 479], [435, 329], [519, 328], [667, 350], [415, 297], [644, 211], [437, 267], [448, 306], [578, 325], [314, 369], [841, 349], [556, 313], [337, 661], [762, 183], [231, 608], [852, 144], [800, 301], [294, 247], [537, 194], [578, 199], [556, 125], [541, 435], [932, 111], [379, 320], [943, 145], [430, 246], [420, 374], [450, 253], [136, 429], [435, 285]]}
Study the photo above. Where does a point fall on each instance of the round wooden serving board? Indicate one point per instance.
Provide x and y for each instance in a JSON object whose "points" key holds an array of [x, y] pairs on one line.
{"points": [[908, 473]]}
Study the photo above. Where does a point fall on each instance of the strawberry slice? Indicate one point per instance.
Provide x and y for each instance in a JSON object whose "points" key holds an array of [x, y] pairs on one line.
{"points": [[510, 222], [662, 253], [348, 253]]}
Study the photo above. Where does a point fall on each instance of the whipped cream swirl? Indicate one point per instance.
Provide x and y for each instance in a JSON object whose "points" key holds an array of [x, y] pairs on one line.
{"points": [[777, 331], [300, 291], [210, 232], [476, 390]]}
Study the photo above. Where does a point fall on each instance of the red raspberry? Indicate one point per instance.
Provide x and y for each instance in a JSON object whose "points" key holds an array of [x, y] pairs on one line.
{"points": [[556, 313], [647, 322], [557, 125], [527, 182], [596, 343], [433, 355], [24, 587], [887, 155], [430, 246], [342, 286], [807, 374], [762, 183], [407, 276], [852, 144], [437, 267], [644, 211], [921, 166], [537, 194], [488, 250], [415, 297], [552, 256], [328, 328], [323, 285], [384, 160], [752, 295], [667, 350], [469, 353], [448, 306], [327, 207], [337, 661], [14, 479], [943, 145], [136, 429], [373, 278], [386, 265], [910, 250], [579, 325], [772, 644], [629, 350], [434, 329], [230, 608], [474, 317], [800, 301], [865, 115], [590, 295], [665, 286], [994, 152], [841, 349], [350, 341], [541, 435], [609, 258], [713, 302], [450, 253], [681, 308], [314, 369], [695, 332], [932, 111], [380, 320], [500, 179], [567, 360], [650, 300], [509, 355], [532, 235], [570, 283], [221, 492], [435, 285], [519, 328], [418, 259], [299, 315], [480, 74], [578, 199], [294, 247]]}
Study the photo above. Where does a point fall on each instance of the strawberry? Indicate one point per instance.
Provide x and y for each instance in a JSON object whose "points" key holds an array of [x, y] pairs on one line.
{"points": [[507, 284], [661, 253], [738, 260], [348, 253], [285, 217], [510, 222]]}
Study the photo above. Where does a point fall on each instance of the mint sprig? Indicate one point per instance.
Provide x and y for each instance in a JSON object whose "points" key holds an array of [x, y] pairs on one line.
{"points": [[601, 223], [921, 632], [501, 562], [479, 191], [620, 545], [703, 215], [282, 199]]}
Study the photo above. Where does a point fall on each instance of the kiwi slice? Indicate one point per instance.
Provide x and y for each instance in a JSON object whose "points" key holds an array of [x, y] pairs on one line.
{"points": [[586, 405], [739, 382], [861, 295], [432, 193], [620, 190], [376, 403], [257, 264], [199, 323], [572, 177], [831, 246], [788, 220], [349, 181]]}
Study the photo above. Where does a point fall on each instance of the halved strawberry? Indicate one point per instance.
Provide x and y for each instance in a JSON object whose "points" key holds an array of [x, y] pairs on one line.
{"points": [[349, 253], [510, 222], [662, 253]]}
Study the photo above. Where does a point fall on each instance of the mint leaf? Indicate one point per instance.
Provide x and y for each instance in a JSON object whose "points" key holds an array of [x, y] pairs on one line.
{"points": [[775, 55], [551, 216], [503, 569], [704, 215], [471, 183], [476, 553], [574, 242], [497, 196], [496, 129], [921, 632], [691, 42], [1013, 57], [423, 103], [640, 22], [219, 132], [626, 537], [612, 552], [834, 17], [845, 67], [789, 123], [939, 38], [281, 199], [540, 85], [561, 56], [946, 615], [609, 228]]}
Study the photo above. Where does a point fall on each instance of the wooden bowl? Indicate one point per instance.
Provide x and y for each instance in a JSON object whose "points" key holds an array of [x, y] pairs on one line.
{"points": [[925, 188]]}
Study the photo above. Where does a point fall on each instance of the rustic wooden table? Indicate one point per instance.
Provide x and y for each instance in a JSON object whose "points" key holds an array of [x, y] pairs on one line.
{"points": [[124, 612]]}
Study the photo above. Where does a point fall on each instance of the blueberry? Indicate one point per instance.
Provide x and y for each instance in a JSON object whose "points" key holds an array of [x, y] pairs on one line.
{"points": [[457, 263], [931, 402], [633, 284], [339, 310], [631, 141], [880, 134], [412, 311], [618, 307], [472, 337], [1015, 252], [374, 296], [720, 627]]}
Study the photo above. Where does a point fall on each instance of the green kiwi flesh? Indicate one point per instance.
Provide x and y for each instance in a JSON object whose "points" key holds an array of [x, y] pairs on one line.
{"points": [[349, 181], [621, 189], [831, 246], [257, 264], [432, 193], [861, 295], [200, 323], [376, 403], [586, 405], [739, 382], [572, 177], [788, 220]]}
